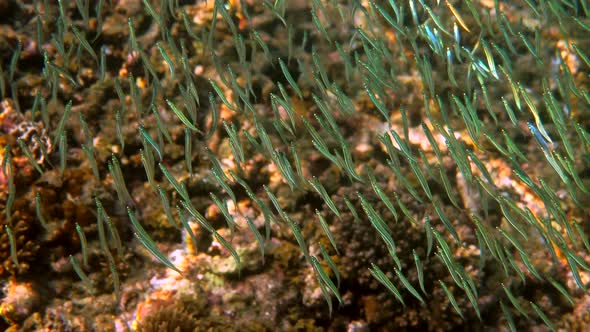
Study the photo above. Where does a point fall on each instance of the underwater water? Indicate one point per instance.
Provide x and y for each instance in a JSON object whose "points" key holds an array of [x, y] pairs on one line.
{"points": [[416, 165]]}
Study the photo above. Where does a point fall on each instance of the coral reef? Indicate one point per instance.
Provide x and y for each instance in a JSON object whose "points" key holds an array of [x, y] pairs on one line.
{"points": [[294, 165]]}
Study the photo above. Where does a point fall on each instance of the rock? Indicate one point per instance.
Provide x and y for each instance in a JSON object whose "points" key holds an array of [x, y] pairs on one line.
{"points": [[6, 8]]}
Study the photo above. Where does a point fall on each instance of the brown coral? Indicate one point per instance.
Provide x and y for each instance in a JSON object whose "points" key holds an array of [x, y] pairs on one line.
{"points": [[169, 318]]}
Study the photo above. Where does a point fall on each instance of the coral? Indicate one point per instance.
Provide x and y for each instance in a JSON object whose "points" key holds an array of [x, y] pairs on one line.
{"points": [[294, 165], [19, 301], [25, 232], [171, 318]]}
